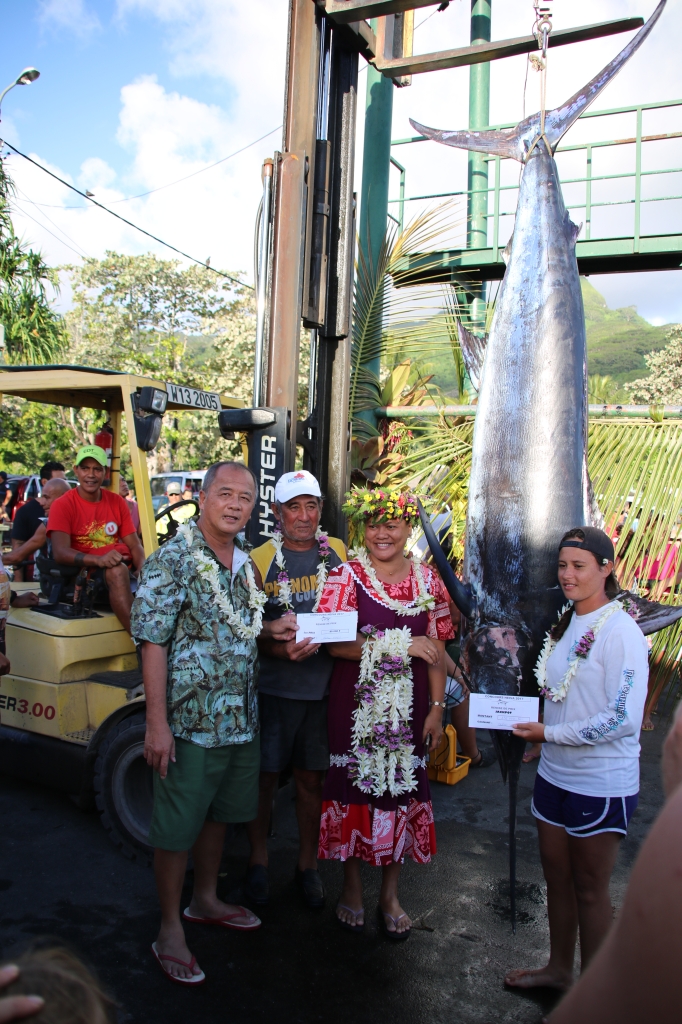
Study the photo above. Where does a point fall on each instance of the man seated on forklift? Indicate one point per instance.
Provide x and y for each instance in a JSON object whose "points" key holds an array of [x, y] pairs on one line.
{"points": [[91, 526], [174, 495]]}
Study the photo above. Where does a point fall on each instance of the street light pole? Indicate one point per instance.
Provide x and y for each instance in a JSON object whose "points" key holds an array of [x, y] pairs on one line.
{"points": [[27, 76]]}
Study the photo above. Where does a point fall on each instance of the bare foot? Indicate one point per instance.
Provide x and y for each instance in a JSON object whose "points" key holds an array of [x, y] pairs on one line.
{"points": [[216, 910], [395, 917], [647, 724], [545, 977], [172, 943], [532, 753]]}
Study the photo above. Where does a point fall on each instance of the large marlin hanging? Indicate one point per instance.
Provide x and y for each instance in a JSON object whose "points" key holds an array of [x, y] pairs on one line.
{"points": [[529, 481]]}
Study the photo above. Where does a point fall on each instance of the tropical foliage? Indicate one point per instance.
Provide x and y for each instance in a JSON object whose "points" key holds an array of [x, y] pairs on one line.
{"points": [[34, 331], [664, 382]]}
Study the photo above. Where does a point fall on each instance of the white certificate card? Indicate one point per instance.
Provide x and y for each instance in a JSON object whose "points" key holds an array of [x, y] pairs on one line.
{"points": [[491, 711], [327, 627]]}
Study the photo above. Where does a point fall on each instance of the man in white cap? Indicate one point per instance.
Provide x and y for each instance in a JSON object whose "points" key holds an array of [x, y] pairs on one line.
{"points": [[293, 681]]}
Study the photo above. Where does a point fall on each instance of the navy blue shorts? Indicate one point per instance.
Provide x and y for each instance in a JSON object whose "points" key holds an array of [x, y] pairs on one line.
{"points": [[581, 815]]}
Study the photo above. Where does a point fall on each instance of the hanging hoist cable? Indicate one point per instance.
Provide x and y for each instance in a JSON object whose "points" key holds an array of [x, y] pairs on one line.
{"points": [[541, 30]]}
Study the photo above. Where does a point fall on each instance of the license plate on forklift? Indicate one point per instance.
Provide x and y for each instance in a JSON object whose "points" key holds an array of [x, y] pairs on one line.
{"points": [[182, 395]]}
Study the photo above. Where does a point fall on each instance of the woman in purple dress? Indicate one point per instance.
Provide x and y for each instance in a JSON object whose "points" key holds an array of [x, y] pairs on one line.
{"points": [[386, 696]]}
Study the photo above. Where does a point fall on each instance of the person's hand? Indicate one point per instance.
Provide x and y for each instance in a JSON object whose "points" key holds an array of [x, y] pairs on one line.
{"points": [[159, 747], [282, 629], [672, 755], [4, 665], [533, 732], [433, 724], [293, 651], [111, 559], [424, 647], [16, 1007], [26, 600]]}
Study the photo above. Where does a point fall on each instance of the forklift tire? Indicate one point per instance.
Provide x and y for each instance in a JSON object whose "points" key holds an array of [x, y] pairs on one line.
{"points": [[123, 784]]}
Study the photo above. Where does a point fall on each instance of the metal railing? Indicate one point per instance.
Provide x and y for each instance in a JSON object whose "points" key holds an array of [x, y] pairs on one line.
{"points": [[589, 179]]}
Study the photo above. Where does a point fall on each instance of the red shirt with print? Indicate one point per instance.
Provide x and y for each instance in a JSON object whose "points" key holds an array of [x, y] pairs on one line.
{"points": [[95, 527]]}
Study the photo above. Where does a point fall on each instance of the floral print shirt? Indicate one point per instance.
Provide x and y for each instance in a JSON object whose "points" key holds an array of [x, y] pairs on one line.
{"points": [[212, 672]]}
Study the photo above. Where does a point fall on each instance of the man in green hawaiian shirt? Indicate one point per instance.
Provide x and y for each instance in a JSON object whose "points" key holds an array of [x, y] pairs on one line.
{"points": [[196, 614]]}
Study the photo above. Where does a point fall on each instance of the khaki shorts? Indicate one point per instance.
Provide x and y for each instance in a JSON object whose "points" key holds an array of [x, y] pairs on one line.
{"points": [[204, 784]]}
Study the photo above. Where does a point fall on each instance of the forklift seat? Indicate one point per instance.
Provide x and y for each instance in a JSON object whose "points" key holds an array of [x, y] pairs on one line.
{"points": [[60, 584]]}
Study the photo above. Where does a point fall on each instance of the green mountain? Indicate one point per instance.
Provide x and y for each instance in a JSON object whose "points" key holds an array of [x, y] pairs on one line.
{"points": [[617, 339]]}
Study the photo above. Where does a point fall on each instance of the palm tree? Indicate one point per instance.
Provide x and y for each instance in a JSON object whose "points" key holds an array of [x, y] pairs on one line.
{"points": [[34, 332]]}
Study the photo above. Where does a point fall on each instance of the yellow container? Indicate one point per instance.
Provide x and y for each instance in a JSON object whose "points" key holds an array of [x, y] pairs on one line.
{"points": [[445, 764]]}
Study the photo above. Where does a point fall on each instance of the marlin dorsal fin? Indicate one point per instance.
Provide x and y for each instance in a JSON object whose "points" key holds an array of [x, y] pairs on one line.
{"points": [[516, 143], [472, 347]]}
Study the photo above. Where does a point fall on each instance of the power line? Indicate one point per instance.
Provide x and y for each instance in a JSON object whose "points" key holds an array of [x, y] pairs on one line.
{"points": [[60, 240], [201, 169], [47, 217], [130, 224]]}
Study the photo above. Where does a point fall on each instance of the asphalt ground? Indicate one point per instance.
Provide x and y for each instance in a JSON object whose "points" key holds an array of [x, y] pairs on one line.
{"points": [[61, 877]]}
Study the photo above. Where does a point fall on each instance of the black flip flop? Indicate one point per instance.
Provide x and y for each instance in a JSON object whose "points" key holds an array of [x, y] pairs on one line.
{"points": [[392, 936]]}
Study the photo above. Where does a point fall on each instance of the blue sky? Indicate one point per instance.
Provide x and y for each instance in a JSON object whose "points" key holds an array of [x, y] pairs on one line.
{"points": [[134, 94]]}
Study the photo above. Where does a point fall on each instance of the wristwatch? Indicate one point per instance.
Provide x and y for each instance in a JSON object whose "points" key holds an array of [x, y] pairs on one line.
{"points": [[437, 704]]}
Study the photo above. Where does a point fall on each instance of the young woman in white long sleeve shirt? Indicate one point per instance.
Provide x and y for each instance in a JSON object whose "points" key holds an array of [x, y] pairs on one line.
{"points": [[595, 685]]}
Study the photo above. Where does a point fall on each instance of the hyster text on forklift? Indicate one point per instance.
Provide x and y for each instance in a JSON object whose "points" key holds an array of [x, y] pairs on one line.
{"points": [[72, 710]]}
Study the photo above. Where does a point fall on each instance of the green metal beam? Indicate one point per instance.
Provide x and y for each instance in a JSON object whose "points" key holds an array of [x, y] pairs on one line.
{"points": [[477, 169], [596, 256], [609, 412], [375, 179]]}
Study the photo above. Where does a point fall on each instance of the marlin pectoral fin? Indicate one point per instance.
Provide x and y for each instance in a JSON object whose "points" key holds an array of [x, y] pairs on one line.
{"points": [[558, 121], [459, 593], [651, 615], [473, 352]]}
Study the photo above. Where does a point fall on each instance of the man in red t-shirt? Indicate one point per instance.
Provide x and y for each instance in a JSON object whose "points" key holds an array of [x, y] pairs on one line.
{"points": [[91, 526]]}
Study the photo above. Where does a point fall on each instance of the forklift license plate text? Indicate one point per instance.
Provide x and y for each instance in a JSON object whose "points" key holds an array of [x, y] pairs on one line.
{"points": [[21, 706], [191, 396]]}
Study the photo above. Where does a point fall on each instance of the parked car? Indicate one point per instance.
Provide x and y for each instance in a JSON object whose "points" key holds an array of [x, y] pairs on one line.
{"points": [[23, 489], [193, 478]]}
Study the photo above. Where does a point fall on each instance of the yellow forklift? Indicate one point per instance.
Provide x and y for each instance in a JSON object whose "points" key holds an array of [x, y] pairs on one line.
{"points": [[72, 709]]}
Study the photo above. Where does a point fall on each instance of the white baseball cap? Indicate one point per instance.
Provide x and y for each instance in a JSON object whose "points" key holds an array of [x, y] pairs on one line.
{"points": [[291, 485]]}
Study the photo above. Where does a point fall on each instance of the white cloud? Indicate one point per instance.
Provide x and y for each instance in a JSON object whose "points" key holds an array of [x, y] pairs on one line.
{"points": [[168, 137], [74, 15]]}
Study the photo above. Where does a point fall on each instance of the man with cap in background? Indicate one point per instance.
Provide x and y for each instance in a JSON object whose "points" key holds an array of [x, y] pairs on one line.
{"points": [[174, 496], [91, 526], [293, 680]]}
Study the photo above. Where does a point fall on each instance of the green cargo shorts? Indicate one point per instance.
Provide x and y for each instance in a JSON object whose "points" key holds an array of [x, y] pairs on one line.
{"points": [[204, 784]]}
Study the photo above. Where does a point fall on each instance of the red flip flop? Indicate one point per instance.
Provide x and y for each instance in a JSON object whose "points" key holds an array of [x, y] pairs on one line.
{"points": [[225, 922], [196, 979]]}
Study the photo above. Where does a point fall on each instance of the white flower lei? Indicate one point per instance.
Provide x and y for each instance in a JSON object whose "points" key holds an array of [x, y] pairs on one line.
{"points": [[424, 600], [558, 693], [208, 569], [374, 767], [285, 595]]}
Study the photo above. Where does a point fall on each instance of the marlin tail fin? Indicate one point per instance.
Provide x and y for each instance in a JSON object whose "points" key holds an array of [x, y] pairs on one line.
{"points": [[516, 142]]}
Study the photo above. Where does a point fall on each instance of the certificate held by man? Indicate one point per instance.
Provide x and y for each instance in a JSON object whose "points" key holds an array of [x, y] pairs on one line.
{"points": [[495, 711], [327, 627]]}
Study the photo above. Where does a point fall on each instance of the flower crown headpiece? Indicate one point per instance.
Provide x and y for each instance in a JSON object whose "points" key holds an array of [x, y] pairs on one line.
{"points": [[376, 505]]}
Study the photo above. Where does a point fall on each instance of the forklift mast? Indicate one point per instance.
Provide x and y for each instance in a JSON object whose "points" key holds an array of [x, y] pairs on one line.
{"points": [[304, 262]]}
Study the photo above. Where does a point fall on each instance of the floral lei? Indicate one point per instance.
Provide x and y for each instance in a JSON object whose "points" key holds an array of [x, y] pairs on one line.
{"points": [[208, 569], [580, 651], [285, 595], [382, 750], [424, 600]]}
